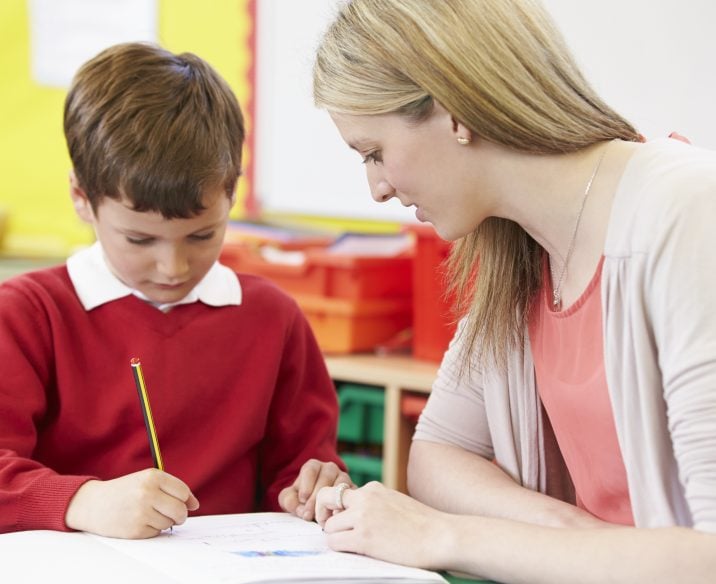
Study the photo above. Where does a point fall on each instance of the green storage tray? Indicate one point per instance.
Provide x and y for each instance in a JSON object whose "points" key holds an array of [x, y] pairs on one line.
{"points": [[362, 468], [361, 419]]}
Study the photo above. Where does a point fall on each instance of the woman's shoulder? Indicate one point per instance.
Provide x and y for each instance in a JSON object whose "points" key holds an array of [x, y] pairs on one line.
{"points": [[664, 180], [669, 170]]}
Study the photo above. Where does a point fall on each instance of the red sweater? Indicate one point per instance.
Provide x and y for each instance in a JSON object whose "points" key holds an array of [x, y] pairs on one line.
{"points": [[240, 396]]}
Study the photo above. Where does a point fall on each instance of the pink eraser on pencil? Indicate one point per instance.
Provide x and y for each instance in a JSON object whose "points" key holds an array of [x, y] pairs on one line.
{"points": [[134, 361]]}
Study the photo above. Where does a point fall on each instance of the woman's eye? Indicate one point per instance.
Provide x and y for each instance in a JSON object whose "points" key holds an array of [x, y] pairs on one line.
{"points": [[374, 157]]}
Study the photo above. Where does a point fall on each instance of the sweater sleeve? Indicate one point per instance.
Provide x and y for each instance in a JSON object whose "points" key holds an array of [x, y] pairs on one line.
{"points": [[303, 418], [455, 413], [32, 496], [681, 293]]}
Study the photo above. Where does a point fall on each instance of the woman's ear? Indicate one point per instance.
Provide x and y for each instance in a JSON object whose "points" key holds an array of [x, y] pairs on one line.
{"points": [[460, 132], [80, 202], [463, 134]]}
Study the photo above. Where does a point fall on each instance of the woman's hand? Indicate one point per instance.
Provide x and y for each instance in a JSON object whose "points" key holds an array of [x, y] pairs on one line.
{"points": [[382, 523], [300, 497], [134, 506]]}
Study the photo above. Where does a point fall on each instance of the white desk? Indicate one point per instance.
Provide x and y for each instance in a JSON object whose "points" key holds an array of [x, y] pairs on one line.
{"points": [[45, 557]]}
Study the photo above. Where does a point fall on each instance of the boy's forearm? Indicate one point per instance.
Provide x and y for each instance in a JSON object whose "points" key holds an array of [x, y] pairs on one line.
{"points": [[35, 499]]}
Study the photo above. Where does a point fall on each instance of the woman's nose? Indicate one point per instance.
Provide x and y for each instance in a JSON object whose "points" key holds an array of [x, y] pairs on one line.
{"points": [[383, 191]]}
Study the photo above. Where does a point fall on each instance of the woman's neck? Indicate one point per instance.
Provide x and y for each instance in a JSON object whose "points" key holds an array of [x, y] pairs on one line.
{"points": [[549, 196]]}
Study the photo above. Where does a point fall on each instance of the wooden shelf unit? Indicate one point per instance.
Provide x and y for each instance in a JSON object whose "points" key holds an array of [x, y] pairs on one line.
{"points": [[395, 375]]}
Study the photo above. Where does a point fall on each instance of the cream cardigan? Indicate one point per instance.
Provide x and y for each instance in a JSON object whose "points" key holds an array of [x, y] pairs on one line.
{"points": [[659, 321]]}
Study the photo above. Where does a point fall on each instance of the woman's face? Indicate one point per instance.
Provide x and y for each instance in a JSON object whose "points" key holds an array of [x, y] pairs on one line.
{"points": [[422, 165]]}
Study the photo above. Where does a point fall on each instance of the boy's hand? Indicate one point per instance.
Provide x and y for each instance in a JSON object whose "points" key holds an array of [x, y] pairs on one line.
{"points": [[134, 506], [300, 497]]}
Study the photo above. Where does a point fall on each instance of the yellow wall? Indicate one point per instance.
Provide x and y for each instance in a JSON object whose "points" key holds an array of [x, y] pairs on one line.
{"points": [[33, 156]]}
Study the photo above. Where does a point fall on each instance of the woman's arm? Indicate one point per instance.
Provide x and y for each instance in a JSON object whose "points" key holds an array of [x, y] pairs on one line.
{"points": [[454, 480], [508, 551], [450, 464], [391, 526]]}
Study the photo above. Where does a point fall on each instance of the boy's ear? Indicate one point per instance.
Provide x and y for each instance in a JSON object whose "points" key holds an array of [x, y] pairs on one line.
{"points": [[80, 202]]}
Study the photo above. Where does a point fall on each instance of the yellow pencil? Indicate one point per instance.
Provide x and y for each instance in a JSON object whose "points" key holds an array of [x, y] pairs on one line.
{"points": [[147, 413]]}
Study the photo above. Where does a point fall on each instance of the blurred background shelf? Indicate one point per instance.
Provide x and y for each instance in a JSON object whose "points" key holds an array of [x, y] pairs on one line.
{"points": [[399, 377]]}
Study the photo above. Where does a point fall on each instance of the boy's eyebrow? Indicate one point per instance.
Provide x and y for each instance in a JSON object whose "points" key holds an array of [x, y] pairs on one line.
{"points": [[205, 230], [207, 227], [130, 231]]}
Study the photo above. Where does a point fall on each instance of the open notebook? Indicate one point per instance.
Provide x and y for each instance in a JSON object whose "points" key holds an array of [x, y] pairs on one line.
{"points": [[259, 547]]}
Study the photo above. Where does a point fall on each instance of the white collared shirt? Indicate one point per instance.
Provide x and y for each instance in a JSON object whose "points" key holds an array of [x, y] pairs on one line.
{"points": [[95, 283]]}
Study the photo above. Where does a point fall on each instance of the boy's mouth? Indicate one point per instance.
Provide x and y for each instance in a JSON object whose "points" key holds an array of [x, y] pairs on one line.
{"points": [[170, 286]]}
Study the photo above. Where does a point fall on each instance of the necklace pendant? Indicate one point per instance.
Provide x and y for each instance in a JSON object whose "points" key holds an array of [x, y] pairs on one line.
{"points": [[556, 300]]}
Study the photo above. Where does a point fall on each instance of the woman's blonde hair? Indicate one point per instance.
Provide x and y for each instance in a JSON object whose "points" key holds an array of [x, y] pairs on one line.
{"points": [[502, 69]]}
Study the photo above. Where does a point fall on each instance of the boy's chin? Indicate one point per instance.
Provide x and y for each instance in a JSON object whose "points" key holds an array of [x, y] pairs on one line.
{"points": [[164, 294]]}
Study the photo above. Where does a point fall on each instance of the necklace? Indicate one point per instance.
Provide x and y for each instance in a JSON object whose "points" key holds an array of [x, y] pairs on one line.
{"points": [[557, 291]]}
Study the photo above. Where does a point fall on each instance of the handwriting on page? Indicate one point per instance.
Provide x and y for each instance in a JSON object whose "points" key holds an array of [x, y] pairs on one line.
{"points": [[278, 536]]}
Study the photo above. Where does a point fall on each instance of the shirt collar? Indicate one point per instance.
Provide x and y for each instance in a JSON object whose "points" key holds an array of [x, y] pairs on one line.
{"points": [[95, 283]]}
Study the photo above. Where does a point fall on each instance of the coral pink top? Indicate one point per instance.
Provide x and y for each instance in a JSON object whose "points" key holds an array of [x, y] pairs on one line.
{"points": [[569, 363]]}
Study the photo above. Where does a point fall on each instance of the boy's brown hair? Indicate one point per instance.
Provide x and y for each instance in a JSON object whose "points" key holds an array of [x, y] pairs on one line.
{"points": [[153, 127]]}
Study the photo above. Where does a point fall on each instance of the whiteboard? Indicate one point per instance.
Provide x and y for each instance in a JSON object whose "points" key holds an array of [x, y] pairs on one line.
{"points": [[651, 61]]}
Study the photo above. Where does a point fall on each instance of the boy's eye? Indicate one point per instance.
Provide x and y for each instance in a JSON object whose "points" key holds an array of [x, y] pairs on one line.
{"points": [[140, 240], [202, 236], [375, 157]]}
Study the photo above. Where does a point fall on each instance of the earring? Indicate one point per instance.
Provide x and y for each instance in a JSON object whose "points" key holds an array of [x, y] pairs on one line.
{"points": [[463, 141]]}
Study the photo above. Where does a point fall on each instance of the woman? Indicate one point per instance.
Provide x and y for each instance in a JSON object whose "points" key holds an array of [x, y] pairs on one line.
{"points": [[571, 433]]}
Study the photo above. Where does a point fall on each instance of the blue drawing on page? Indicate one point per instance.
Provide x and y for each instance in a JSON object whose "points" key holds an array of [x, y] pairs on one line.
{"points": [[277, 553]]}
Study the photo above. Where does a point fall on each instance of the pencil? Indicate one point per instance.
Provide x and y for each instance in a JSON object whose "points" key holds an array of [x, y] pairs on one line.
{"points": [[147, 413]]}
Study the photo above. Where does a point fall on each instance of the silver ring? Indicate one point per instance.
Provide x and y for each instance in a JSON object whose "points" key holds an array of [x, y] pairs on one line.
{"points": [[340, 487]]}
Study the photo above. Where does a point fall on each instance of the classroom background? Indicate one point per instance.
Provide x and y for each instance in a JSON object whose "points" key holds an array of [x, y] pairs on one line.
{"points": [[368, 277]]}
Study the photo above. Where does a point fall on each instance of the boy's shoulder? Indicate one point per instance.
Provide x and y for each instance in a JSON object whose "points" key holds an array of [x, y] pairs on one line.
{"points": [[47, 286], [254, 286], [52, 279]]}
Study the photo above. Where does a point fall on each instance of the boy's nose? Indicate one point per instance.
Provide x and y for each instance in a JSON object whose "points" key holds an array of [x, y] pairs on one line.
{"points": [[173, 265]]}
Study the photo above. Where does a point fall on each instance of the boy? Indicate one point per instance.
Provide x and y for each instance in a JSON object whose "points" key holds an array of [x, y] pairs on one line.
{"points": [[241, 398]]}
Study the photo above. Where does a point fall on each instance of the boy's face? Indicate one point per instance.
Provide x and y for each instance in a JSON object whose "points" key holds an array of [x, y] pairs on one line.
{"points": [[161, 258]]}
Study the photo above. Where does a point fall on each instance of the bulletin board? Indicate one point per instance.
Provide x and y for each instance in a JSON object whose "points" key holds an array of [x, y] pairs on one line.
{"points": [[35, 163], [651, 61]]}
